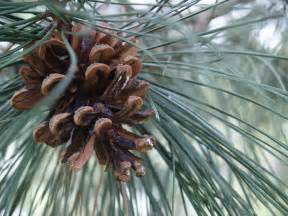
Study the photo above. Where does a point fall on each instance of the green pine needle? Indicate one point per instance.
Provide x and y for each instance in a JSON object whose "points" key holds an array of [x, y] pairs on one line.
{"points": [[221, 113]]}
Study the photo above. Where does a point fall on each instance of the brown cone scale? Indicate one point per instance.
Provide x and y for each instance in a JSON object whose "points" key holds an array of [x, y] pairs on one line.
{"points": [[104, 95]]}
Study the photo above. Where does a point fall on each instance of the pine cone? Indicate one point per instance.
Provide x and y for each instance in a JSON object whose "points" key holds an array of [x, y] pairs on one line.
{"points": [[104, 95]]}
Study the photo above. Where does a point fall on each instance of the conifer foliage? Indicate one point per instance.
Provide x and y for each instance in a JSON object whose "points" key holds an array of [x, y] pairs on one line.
{"points": [[94, 94]]}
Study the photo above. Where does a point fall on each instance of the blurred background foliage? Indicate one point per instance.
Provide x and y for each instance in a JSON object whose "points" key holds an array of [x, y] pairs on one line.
{"points": [[218, 78]]}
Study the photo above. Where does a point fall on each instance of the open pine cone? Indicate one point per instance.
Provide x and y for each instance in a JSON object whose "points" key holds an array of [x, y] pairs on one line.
{"points": [[104, 95]]}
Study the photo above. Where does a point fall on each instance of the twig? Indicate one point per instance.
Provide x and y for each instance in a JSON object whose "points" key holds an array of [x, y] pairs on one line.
{"points": [[98, 189], [201, 22], [125, 198]]}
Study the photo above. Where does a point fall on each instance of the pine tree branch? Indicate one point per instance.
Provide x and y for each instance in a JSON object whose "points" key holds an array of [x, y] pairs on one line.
{"points": [[201, 22]]}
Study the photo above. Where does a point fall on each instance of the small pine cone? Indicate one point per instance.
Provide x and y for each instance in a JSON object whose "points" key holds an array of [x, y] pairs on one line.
{"points": [[104, 95]]}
